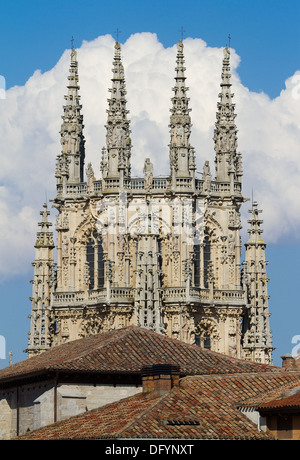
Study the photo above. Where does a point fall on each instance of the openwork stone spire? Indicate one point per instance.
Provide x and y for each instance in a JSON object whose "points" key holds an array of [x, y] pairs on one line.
{"points": [[42, 283], [70, 164], [118, 133], [257, 334], [228, 162], [182, 157]]}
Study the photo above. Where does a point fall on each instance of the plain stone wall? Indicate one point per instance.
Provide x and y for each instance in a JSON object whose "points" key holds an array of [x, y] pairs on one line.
{"points": [[74, 399], [33, 405], [5, 418]]}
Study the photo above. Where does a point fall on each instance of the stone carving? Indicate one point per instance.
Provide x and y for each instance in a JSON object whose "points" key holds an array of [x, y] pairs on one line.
{"points": [[148, 174], [122, 260]]}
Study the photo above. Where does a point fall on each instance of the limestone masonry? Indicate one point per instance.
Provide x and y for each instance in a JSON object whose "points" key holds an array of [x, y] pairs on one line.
{"points": [[158, 252]]}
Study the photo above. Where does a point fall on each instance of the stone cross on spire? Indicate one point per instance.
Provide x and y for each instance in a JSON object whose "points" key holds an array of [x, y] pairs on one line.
{"points": [[181, 32], [118, 140]]}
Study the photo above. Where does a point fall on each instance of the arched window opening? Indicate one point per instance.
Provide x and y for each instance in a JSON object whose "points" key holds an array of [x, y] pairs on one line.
{"points": [[90, 257], [206, 259], [197, 264], [95, 260], [100, 265]]}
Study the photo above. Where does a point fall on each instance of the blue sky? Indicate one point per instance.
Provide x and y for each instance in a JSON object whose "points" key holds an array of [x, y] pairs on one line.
{"points": [[265, 34]]}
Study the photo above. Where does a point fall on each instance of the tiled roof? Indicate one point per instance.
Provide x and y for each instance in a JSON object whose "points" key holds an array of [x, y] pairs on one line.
{"points": [[292, 401], [126, 351], [201, 407], [285, 396], [276, 397]]}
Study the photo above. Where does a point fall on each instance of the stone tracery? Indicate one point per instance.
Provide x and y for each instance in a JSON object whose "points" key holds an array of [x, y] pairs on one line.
{"points": [[169, 247]]}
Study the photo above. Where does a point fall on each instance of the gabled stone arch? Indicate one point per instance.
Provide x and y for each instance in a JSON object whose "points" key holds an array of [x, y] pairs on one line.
{"points": [[91, 323], [212, 227], [207, 328], [90, 241], [85, 229]]}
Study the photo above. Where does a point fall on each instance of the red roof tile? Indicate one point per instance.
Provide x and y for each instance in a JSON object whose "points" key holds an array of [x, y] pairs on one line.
{"points": [[201, 407], [285, 400], [292, 401], [126, 351]]}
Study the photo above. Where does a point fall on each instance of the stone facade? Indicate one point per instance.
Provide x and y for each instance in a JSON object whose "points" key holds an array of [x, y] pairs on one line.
{"points": [[32, 406], [159, 252]]}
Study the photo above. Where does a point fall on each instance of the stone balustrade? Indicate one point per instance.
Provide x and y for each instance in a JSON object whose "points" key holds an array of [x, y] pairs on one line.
{"points": [[138, 184]]}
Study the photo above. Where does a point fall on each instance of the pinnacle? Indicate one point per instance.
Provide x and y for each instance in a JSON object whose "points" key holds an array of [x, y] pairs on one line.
{"points": [[225, 134], [118, 141], [72, 138], [44, 237], [255, 231]]}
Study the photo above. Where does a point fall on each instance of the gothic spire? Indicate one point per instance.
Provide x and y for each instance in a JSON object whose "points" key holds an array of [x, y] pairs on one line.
{"points": [[182, 158], [118, 140], [227, 161], [42, 283], [71, 161], [257, 334]]}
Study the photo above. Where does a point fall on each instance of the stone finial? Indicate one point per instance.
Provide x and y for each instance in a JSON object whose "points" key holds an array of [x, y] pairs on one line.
{"points": [[255, 230], [44, 236]]}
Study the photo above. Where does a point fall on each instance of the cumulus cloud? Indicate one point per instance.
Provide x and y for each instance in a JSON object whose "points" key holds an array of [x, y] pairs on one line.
{"points": [[30, 119]]}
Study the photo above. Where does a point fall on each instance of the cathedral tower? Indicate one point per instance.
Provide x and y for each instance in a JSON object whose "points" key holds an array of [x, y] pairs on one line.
{"points": [[159, 252]]}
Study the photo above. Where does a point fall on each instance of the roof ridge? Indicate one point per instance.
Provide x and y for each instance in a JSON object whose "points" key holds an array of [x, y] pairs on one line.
{"points": [[112, 336], [235, 375], [205, 351]]}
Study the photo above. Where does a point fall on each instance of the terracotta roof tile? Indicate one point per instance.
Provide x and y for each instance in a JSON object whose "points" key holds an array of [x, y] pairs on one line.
{"points": [[126, 351], [291, 401], [201, 407]]}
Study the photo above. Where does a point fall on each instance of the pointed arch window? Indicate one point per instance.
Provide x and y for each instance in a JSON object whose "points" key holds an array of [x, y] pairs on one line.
{"points": [[95, 260]]}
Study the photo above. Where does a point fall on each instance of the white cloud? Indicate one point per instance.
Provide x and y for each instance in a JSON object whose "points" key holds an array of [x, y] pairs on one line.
{"points": [[30, 118]]}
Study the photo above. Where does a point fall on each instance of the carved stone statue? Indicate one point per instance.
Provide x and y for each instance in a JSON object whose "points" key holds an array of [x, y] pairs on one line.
{"points": [[148, 174]]}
